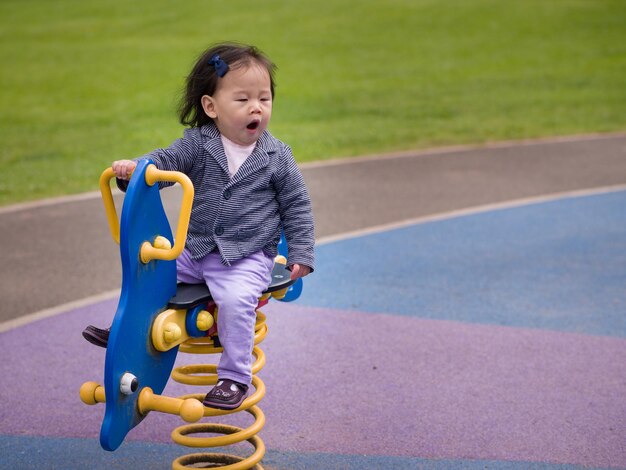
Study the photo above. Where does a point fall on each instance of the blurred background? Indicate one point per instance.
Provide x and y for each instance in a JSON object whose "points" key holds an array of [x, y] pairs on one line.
{"points": [[84, 83]]}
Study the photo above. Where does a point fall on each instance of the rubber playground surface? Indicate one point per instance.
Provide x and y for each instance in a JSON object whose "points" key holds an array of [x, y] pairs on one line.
{"points": [[492, 337]]}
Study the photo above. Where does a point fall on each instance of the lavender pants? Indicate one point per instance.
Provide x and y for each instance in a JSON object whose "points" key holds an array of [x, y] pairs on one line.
{"points": [[236, 290]]}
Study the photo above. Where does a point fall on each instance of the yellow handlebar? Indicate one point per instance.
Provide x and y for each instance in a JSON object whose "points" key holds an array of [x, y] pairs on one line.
{"points": [[190, 409], [153, 175], [109, 205]]}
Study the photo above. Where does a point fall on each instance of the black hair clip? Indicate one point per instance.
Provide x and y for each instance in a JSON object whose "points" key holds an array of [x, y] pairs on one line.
{"points": [[221, 67]]}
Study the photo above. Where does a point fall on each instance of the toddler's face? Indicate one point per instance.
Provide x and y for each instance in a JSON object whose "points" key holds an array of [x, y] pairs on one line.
{"points": [[241, 106]]}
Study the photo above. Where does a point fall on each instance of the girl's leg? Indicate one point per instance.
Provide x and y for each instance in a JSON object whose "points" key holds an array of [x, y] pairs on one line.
{"points": [[188, 270], [236, 290]]}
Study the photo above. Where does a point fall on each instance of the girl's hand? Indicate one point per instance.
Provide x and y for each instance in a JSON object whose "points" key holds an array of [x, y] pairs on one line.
{"points": [[123, 169], [298, 271]]}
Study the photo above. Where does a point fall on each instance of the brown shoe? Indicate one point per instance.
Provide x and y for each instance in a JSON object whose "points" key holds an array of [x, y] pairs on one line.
{"points": [[97, 336], [226, 395]]}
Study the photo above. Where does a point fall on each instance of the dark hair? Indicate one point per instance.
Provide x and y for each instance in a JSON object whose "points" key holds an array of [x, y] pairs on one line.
{"points": [[203, 78]]}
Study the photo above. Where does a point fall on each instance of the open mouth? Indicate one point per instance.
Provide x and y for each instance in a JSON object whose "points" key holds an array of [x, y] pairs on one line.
{"points": [[253, 125]]}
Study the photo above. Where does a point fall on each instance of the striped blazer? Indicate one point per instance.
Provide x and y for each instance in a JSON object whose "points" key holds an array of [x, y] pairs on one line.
{"points": [[245, 213]]}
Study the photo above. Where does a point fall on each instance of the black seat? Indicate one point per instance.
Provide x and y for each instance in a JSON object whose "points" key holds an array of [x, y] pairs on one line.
{"points": [[190, 295]]}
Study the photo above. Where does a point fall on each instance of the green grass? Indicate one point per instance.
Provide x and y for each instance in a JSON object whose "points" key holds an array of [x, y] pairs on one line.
{"points": [[84, 83]]}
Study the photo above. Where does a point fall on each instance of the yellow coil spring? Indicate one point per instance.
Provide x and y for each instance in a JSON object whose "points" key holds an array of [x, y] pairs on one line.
{"points": [[206, 374]]}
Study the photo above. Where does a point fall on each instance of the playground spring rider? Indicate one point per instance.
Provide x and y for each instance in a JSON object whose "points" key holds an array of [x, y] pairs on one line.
{"points": [[156, 317]]}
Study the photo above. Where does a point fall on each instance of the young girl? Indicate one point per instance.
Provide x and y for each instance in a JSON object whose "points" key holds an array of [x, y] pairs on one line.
{"points": [[247, 187]]}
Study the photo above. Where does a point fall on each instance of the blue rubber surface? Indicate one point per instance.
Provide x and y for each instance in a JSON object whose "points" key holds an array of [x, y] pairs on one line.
{"points": [[30, 453], [557, 265]]}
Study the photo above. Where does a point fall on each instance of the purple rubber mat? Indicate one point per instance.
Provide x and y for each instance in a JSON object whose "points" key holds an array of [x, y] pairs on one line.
{"points": [[351, 382]]}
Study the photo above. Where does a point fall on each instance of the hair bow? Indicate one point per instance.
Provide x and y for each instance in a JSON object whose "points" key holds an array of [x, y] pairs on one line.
{"points": [[221, 67]]}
